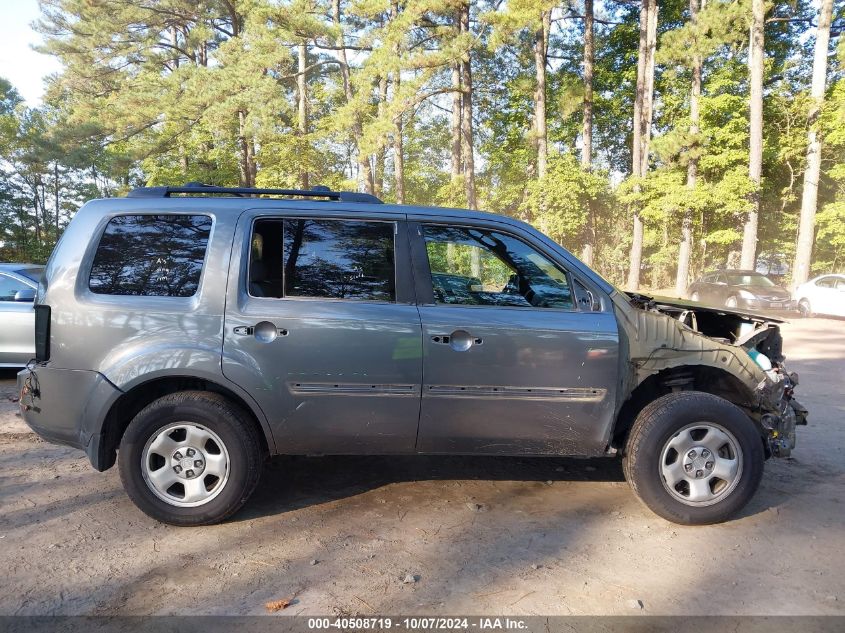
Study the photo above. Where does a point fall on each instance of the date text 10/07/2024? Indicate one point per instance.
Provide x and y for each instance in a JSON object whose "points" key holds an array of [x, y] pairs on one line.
{"points": [[418, 623]]}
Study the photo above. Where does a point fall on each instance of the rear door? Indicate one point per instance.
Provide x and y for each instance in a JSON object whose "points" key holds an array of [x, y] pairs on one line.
{"points": [[321, 328], [520, 355]]}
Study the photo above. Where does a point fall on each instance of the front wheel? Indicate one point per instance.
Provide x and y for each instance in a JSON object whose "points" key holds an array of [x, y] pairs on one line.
{"points": [[731, 302], [693, 458], [190, 458]]}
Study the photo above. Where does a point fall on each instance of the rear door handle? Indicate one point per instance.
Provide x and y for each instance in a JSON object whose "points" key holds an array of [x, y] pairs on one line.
{"points": [[265, 331], [459, 340]]}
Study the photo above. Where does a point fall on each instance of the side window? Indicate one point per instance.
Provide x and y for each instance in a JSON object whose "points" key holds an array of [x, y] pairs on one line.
{"points": [[10, 287], [151, 255], [825, 282], [332, 259], [472, 266]]}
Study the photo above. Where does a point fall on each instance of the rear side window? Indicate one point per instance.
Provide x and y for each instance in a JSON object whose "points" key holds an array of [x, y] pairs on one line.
{"points": [[316, 258], [151, 255]]}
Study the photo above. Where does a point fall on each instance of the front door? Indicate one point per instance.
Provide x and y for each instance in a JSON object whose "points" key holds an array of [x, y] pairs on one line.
{"points": [[322, 330], [521, 357]]}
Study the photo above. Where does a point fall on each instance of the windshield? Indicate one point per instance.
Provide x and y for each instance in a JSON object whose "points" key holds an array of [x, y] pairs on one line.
{"points": [[749, 279], [33, 273]]}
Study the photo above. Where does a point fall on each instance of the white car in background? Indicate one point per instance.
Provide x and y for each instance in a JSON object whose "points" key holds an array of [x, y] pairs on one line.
{"points": [[823, 295]]}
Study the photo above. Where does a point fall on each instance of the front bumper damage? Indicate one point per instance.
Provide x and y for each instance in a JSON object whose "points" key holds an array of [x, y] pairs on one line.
{"points": [[673, 334], [786, 412]]}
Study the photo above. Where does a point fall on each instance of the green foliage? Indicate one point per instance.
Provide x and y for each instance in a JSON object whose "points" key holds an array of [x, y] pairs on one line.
{"points": [[176, 91]]}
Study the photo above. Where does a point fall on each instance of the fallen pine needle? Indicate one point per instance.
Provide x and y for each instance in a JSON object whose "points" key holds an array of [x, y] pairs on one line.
{"points": [[278, 605]]}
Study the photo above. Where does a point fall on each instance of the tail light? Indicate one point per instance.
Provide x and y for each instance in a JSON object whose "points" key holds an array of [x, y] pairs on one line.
{"points": [[42, 333]]}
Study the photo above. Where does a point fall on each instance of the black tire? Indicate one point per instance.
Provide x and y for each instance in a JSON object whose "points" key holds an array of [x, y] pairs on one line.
{"points": [[805, 309], [660, 421], [205, 409]]}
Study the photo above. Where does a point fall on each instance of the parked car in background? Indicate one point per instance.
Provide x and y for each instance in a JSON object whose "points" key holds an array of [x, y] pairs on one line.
{"points": [[743, 289], [823, 295], [18, 283]]}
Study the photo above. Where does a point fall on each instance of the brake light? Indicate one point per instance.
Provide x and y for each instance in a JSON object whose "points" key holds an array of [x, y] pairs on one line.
{"points": [[42, 333]]}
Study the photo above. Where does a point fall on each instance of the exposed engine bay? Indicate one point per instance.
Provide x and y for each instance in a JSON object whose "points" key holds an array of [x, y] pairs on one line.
{"points": [[776, 409]]}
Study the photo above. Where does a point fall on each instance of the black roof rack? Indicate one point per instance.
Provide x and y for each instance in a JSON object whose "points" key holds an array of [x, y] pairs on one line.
{"points": [[198, 188]]}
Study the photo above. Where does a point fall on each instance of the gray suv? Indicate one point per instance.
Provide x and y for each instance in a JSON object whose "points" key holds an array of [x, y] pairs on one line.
{"points": [[193, 331]]}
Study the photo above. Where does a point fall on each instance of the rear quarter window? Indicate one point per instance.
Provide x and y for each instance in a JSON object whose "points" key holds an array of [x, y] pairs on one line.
{"points": [[151, 255]]}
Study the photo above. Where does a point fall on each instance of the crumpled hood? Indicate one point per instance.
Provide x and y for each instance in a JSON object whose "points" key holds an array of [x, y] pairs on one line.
{"points": [[701, 307]]}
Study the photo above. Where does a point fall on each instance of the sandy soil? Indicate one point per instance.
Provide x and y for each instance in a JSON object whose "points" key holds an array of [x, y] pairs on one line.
{"points": [[476, 536]]}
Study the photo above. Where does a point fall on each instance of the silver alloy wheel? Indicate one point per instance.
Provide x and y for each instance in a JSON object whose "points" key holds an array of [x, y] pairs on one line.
{"points": [[701, 464], [185, 464], [695, 297], [731, 302]]}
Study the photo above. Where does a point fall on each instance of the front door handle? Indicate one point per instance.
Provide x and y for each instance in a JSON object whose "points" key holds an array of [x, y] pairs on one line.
{"points": [[264, 332], [459, 340]]}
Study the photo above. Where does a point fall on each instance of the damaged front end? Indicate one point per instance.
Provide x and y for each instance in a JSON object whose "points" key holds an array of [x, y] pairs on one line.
{"points": [[733, 353]]}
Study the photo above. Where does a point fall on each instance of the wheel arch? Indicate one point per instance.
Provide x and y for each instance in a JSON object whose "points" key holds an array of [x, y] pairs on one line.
{"points": [[704, 378], [134, 399]]}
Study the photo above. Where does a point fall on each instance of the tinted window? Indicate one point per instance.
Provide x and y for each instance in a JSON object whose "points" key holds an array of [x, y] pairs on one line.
{"points": [[333, 259], [826, 282], [10, 287], [151, 255], [479, 267]]}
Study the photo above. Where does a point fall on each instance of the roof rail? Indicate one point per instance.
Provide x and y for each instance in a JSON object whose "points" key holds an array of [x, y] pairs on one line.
{"points": [[198, 188]]}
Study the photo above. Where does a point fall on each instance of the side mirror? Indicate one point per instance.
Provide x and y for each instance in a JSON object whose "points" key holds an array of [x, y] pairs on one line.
{"points": [[25, 295]]}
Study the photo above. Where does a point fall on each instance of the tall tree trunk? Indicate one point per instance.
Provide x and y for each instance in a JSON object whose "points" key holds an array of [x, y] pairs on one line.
{"points": [[541, 49], [466, 116], [247, 171], [302, 107], [748, 258], [398, 131], [56, 195], [366, 180], [642, 127], [457, 118], [809, 197], [685, 247], [648, 92], [381, 153], [587, 125], [589, 55]]}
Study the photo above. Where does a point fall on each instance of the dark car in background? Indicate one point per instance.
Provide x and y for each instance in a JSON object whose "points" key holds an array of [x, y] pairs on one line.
{"points": [[743, 289]]}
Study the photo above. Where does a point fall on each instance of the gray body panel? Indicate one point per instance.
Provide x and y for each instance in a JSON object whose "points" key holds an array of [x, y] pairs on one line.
{"points": [[540, 382], [345, 378]]}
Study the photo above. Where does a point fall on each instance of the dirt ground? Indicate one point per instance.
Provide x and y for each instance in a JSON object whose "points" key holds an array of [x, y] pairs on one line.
{"points": [[476, 536]]}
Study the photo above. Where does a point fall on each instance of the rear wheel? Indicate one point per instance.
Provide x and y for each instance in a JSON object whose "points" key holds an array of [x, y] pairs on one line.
{"points": [[693, 458], [804, 308], [695, 297], [190, 458], [731, 302]]}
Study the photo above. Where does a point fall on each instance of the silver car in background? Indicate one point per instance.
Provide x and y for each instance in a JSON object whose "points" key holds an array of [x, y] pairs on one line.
{"points": [[18, 284]]}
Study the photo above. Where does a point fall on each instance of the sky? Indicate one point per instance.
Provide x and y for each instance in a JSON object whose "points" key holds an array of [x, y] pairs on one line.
{"points": [[21, 65]]}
